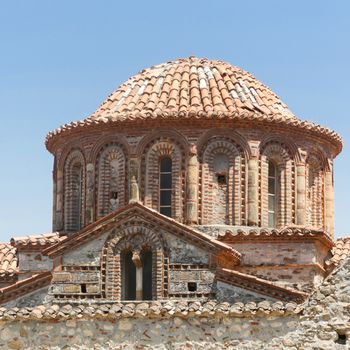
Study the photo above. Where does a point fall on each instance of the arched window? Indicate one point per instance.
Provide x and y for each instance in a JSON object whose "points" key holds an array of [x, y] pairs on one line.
{"points": [[165, 186], [74, 182], [220, 188], [277, 179], [111, 180], [222, 176], [272, 194], [315, 198]]}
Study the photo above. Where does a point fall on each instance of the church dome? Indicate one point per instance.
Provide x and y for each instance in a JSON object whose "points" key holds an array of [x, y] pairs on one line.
{"points": [[194, 88]]}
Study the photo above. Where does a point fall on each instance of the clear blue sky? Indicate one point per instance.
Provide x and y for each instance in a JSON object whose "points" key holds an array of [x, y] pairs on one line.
{"points": [[59, 60]]}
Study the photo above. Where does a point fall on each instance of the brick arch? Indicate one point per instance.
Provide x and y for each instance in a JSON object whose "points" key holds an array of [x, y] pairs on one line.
{"points": [[110, 176], [158, 134], [137, 235], [222, 204], [101, 143], [315, 191], [66, 151], [150, 159], [288, 146], [74, 174], [284, 159], [236, 137]]}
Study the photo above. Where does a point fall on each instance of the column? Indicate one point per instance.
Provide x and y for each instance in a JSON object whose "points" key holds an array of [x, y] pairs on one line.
{"points": [[90, 192], [301, 195], [253, 192], [329, 203], [136, 258], [134, 175], [192, 187]]}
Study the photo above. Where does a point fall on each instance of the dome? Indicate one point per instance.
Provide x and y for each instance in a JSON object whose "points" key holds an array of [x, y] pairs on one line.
{"points": [[194, 88], [191, 87]]}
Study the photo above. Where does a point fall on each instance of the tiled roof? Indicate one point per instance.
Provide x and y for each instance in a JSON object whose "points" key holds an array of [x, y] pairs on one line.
{"points": [[39, 241], [292, 232], [194, 88], [25, 286], [341, 251], [184, 309], [8, 260], [260, 285]]}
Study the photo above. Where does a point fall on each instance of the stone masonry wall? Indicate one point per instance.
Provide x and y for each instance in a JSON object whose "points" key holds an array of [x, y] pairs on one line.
{"points": [[323, 324]]}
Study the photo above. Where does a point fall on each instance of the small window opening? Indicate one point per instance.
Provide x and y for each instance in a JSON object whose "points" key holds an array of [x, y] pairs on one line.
{"points": [[165, 186], [83, 288], [272, 194], [114, 195], [221, 179], [341, 339], [192, 286]]}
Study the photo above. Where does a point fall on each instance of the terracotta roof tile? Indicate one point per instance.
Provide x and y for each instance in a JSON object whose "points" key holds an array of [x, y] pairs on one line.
{"points": [[291, 232], [341, 251], [260, 285], [8, 260], [39, 241], [184, 309], [25, 286], [194, 87]]}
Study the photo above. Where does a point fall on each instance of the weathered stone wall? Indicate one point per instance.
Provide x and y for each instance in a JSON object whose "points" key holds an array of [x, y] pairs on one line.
{"points": [[32, 262], [172, 333], [304, 278], [323, 324], [184, 253], [88, 254], [233, 294]]}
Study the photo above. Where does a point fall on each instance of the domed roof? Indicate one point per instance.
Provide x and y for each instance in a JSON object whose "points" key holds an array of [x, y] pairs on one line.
{"points": [[193, 88]]}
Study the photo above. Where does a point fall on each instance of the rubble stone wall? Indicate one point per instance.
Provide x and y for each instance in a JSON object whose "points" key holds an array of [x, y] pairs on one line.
{"points": [[323, 324], [171, 333]]}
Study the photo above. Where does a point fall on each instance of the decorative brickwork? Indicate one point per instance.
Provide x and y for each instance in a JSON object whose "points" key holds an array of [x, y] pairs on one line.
{"points": [[111, 180], [279, 154], [315, 195], [74, 191], [135, 236], [153, 153], [192, 181], [223, 182]]}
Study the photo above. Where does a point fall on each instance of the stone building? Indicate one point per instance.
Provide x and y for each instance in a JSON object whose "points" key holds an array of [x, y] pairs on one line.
{"points": [[192, 193]]}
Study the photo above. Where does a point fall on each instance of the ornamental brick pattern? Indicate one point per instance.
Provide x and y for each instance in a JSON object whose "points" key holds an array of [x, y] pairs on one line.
{"points": [[223, 203], [74, 191], [111, 180], [248, 195]]}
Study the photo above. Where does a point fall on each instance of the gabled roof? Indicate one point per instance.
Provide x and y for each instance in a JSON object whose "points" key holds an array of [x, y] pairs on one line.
{"points": [[260, 286], [8, 260], [25, 286], [184, 232]]}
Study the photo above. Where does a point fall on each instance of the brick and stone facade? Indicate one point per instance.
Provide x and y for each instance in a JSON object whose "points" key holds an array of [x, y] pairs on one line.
{"points": [[192, 182]]}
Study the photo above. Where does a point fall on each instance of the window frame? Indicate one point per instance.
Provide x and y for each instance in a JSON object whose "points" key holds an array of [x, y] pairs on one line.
{"points": [[166, 189], [272, 213]]}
